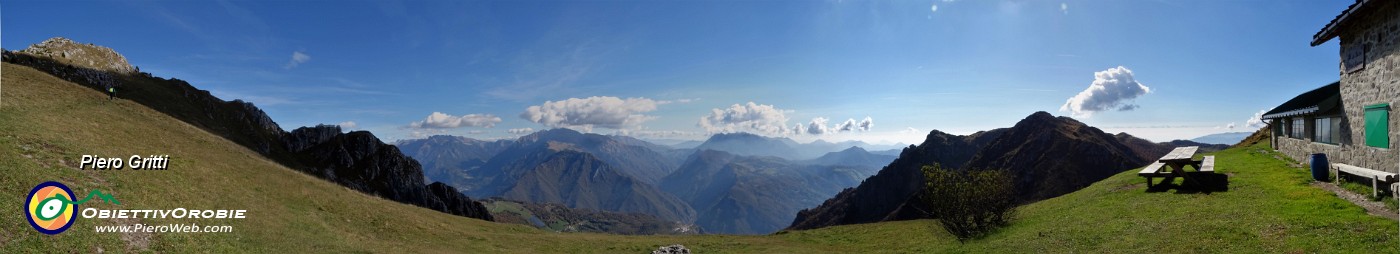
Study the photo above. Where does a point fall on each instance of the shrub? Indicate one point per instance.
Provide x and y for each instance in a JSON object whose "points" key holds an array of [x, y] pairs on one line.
{"points": [[968, 203]]}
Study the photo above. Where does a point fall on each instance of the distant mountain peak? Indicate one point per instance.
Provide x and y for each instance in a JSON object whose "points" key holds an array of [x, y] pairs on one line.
{"points": [[854, 149], [1040, 115], [736, 135], [555, 133]]}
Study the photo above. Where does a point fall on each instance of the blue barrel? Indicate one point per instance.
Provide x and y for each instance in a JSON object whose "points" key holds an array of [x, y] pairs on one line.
{"points": [[1319, 167]]}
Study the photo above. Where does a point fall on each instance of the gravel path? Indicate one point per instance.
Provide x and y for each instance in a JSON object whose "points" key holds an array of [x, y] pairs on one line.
{"points": [[1373, 207]]}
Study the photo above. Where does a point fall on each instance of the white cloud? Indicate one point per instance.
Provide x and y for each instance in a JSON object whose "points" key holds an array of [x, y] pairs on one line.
{"points": [[934, 8], [297, 59], [689, 100], [766, 119], [476, 132], [909, 130], [520, 131], [817, 126], [348, 125], [438, 120], [1230, 126], [751, 117], [1064, 8], [850, 125], [1112, 89], [1256, 121], [597, 111]]}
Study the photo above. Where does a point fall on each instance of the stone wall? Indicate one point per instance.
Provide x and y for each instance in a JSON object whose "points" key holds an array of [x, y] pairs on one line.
{"points": [[1378, 82], [1372, 158]]}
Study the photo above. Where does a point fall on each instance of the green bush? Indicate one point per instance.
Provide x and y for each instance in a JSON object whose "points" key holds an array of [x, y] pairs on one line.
{"points": [[968, 203]]}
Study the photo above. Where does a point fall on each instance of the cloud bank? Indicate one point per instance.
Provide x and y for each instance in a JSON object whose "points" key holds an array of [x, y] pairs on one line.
{"points": [[746, 117], [1112, 89], [438, 120], [586, 113], [767, 119]]}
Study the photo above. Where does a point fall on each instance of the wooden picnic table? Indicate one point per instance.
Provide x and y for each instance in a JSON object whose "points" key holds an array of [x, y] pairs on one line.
{"points": [[1177, 160], [1180, 157]]}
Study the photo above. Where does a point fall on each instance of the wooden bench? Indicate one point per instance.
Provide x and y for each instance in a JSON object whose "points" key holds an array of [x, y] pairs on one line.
{"points": [[1377, 177], [1154, 170], [1208, 164]]}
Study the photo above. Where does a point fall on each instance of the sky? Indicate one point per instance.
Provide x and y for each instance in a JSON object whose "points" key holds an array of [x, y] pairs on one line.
{"points": [[876, 71]]}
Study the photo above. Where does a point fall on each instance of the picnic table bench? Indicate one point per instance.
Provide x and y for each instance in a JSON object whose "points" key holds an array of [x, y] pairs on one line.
{"points": [[1177, 160]]}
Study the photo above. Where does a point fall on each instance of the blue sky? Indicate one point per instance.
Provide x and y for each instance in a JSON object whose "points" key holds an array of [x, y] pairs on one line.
{"points": [[682, 69]]}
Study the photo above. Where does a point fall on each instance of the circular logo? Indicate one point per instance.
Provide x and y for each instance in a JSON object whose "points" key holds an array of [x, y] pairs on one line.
{"points": [[50, 208]]}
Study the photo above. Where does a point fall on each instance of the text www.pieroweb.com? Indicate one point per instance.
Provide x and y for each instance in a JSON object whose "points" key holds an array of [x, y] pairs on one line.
{"points": [[163, 228]]}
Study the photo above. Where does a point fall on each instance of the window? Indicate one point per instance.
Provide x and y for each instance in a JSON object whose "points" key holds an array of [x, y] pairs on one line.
{"points": [[1296, 128], [1278, 127], [1378, 125], [1327, 129]]}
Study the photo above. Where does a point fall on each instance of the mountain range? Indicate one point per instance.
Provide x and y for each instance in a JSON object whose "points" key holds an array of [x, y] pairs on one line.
{"points": [[1047, 155], [718, 190], [749, 144], [1228, 138]]}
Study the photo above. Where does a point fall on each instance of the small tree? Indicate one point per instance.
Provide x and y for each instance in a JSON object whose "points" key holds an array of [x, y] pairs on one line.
{"points": [[968, 203]]}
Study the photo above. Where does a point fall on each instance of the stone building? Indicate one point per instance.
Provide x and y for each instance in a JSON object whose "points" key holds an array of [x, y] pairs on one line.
{"points": [[1350, 120]]}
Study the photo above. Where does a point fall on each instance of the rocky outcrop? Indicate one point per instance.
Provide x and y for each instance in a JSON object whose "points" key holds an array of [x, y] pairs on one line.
{"points": [[82, 55], [358, 160], [306, 137], [447, 199], [671, 249], [362, 162]]}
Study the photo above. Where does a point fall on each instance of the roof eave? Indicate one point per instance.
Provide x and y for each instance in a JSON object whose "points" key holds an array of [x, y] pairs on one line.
{"points": [[1296, 112], [1330, 30]]}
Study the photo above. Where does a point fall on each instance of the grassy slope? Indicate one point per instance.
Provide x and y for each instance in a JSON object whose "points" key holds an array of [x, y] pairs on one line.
{"points": [[46, 124]]}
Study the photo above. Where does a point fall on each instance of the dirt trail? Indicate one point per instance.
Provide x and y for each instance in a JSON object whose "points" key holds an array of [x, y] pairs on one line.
{"points": [[1372, 207]]}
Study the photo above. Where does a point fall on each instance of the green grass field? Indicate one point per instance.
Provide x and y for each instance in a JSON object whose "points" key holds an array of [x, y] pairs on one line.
{"points": [[46, 124]]}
